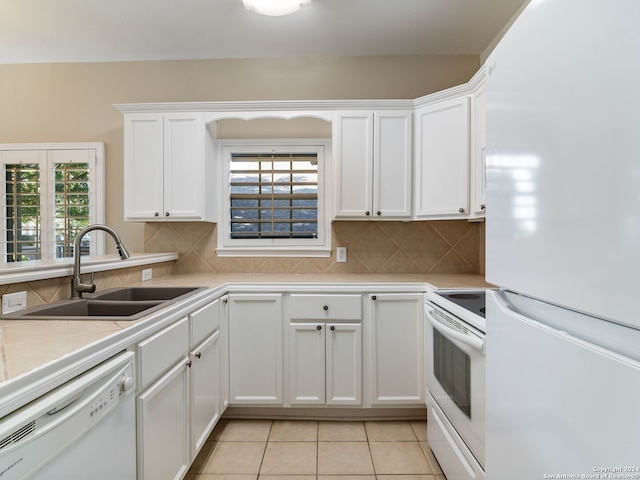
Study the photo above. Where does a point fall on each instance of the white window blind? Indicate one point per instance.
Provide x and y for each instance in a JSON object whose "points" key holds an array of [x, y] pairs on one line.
{"points": [[273, 195], [22, 212], [72, 206]]}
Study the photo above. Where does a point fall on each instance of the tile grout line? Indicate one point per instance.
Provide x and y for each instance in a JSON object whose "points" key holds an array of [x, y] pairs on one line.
{"points": [[264, 452]]}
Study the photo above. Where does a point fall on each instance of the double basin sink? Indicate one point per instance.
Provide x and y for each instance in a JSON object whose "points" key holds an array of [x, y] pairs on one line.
{"points": [[124, 303]]}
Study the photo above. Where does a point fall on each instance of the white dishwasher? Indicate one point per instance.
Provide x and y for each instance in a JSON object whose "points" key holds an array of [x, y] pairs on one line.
{"points": [[84, 429]]}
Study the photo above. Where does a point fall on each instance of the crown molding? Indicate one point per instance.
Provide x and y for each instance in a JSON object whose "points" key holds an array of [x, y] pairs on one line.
{"points": [[265, 106]]}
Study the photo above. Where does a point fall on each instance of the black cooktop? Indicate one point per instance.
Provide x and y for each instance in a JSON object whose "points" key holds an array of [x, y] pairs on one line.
{"points": [[472, 301]]}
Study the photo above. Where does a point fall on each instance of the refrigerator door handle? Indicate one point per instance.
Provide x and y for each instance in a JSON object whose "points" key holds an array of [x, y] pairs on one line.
{"points": [[449, 331]]}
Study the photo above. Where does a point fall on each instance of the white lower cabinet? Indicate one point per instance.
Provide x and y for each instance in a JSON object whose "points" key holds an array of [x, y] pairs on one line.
{"points": [[204, 376], [163, 404], [325, 364], [324, 349], [344, 364], [180, 393], [396, 357], [224, 353], [256, 349], [163, 433]]}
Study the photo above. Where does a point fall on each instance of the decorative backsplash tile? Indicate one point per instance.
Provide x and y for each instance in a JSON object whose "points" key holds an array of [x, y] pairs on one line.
{"points": [[443, 246]]}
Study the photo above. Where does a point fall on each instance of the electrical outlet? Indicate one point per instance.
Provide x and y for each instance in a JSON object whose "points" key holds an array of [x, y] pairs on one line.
{"points": [[341, 254], [12, 302], [147, 273]]}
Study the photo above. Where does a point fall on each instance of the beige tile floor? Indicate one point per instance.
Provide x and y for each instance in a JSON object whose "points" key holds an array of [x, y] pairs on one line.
{"points": [[316, 450]]}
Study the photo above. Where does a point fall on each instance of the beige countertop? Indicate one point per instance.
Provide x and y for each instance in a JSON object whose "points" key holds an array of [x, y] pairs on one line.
{"points": [[26, 345]]}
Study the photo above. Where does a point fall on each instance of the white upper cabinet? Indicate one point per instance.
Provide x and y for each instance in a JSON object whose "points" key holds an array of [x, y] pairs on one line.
{"points": [[442, 159], [373, 164], [478, 144], [166, 174]]}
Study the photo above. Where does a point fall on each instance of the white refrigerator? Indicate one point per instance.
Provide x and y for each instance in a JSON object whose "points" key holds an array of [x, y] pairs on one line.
{"points": [[563, 243]]}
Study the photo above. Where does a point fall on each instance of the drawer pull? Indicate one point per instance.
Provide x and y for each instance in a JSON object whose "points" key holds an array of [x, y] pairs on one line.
{"points": [[325, 308], [319, 327], [332, 328]]}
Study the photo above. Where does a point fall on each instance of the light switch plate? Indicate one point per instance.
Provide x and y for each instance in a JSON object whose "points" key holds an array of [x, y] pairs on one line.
{"points": [[341, 254], [12, 302], [147, 273]]}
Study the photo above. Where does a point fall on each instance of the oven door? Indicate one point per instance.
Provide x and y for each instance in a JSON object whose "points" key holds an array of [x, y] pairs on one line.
{"points": [[456, 375]]}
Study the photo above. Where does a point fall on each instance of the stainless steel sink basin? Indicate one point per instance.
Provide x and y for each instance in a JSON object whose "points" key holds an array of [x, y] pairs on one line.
{"points": [[96, 309], [143, 294], [124, 303]]}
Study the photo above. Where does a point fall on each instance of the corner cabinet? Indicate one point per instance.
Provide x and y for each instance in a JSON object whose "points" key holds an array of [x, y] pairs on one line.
{"points": [[166, 174], [478, 145], [442, 159], [373, 151]]}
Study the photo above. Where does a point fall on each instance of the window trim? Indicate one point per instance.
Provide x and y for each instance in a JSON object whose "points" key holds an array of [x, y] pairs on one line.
{"points": [[96, 193], [273, 247]]}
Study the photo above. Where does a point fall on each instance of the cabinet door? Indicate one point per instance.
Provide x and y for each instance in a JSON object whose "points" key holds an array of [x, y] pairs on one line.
{"points": [[183, 166], [143, 166], [224, 354], [306, 362], [478, 144], [255, 349], [442, 160], [397, 349], [344, 364], [205, 390], [392, 160], [163, 416], [353, 137]]}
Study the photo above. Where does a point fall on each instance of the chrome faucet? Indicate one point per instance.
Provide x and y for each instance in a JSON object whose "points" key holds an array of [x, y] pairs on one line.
{"points": [[77, 287]]}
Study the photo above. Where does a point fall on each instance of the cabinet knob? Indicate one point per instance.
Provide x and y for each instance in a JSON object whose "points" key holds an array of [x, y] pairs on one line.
{"points": [[367, 213], [461, 210], [319, 327], [189, 364], [378, 212], [166, 214], [199, 355], [373, 297], [225, 301], [332, 328], [156, 214], [325, 308], [483, 207], [126, 384]]}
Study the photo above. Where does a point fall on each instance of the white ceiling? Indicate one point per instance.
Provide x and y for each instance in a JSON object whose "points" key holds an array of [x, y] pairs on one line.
{"points": [[37, 31]]}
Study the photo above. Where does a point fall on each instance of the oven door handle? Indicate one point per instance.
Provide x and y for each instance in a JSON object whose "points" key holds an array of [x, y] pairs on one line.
{"points": [[468, 339]]}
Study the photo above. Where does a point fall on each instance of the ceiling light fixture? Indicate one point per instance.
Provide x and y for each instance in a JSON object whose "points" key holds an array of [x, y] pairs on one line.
{"points": [[275, 8]]}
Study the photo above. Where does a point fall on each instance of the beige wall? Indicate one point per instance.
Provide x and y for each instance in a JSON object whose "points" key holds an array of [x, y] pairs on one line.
{"points": [[73, 102]]}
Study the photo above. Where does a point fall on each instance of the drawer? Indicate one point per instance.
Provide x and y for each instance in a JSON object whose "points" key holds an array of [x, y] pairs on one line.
{"points": [[205, 321], [159, 352], [325, 307]]}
